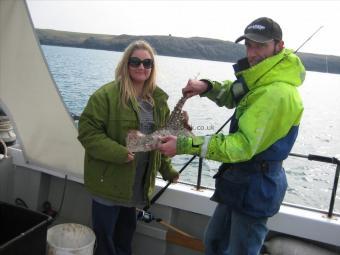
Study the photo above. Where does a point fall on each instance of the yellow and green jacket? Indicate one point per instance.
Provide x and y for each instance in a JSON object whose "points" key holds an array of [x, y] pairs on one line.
{"points": [[103, 127], [263, 130], [265, 114]]}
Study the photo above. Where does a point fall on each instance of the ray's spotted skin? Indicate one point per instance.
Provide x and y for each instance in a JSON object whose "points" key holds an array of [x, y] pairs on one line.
{"points": [[176, 125]]}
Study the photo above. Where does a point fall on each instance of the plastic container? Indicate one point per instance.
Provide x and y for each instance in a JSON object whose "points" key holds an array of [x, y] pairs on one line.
{"points": [[69, 239], [6, 131], [22, 231]]}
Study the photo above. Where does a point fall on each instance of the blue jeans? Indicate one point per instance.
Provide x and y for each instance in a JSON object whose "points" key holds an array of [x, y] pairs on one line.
{"points": [[232, 233], [114, 227]]}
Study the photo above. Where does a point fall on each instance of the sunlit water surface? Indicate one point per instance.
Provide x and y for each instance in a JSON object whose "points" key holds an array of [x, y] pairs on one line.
{"points": [[79, 72]]}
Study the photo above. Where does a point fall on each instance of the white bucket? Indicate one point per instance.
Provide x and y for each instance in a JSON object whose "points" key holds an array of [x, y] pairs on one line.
{"points": [[70, 239]]}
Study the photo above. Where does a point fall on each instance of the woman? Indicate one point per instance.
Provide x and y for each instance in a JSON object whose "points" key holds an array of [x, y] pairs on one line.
{"points": [[119, 180]]}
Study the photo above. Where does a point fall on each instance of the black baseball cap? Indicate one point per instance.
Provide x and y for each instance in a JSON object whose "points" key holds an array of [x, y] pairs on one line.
{"points": [[262, 30]]}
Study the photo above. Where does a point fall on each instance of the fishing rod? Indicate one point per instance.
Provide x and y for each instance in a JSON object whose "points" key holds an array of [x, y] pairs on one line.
{"points": [[149, 217], [159, 193], [308, 39], [190, 241]]}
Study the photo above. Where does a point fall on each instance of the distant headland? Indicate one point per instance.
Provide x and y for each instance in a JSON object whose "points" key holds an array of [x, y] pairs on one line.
{"points": [[194, 47]]}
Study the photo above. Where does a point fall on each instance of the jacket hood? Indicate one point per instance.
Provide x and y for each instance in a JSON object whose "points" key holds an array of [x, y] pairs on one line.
{"points": [[283, 67]]}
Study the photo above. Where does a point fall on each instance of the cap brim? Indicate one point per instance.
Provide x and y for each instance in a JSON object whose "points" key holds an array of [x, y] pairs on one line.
{"points": [[255, 38]]}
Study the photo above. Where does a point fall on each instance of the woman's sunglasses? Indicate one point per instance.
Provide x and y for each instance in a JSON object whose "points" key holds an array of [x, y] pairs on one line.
{"points": [[135, 62]]}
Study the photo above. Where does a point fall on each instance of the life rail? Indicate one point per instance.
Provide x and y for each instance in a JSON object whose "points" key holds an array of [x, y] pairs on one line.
{"points": [[324, 159], [330, 160], [312, 157]]}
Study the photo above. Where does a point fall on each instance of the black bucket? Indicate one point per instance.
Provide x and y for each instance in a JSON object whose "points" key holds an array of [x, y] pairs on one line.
{"points": [[22, 231]]}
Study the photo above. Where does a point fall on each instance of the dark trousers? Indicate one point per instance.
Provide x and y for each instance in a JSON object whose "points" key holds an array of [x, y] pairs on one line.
{"points": [[114, 227], [232, 233]]}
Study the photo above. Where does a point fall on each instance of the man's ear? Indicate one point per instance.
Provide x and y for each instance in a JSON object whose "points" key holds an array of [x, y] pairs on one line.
{"points": [[280, 45]]}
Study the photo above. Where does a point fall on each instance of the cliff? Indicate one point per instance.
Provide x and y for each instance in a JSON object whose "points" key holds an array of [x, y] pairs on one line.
{"points": [[194, 47]]}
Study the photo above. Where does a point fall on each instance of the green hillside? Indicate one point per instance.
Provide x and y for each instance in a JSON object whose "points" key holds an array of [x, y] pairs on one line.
{"points": [[194, 47]]}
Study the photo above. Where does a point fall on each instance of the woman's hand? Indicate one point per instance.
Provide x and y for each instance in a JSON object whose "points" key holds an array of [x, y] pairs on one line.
{"points": [[130, 157], [175, 179]]}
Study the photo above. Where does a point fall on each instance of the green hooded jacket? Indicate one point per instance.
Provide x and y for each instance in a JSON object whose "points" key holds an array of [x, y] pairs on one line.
{"points": [[103, 127], [265, 114]]}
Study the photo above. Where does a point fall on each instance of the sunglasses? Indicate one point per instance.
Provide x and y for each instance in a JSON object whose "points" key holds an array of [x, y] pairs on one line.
{"points": [[135, 62]]}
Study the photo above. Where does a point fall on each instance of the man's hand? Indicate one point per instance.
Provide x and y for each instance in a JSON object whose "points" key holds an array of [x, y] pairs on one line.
{"points": [[168, 145], [194, 87]]}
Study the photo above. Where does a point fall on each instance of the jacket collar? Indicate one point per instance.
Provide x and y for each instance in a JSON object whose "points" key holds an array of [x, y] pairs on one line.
{"points": [[254, 76], [159, 94]]}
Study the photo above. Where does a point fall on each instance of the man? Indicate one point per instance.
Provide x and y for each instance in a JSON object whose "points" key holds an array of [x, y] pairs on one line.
{"points": [[251, 183]]}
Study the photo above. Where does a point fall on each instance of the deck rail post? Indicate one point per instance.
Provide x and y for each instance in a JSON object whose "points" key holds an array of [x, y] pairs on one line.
{"points": [[334, 189], [199, 174]]}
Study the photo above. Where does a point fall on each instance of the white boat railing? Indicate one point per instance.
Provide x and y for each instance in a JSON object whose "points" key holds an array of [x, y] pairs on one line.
{"points": [[198, 186], [330, 160]]}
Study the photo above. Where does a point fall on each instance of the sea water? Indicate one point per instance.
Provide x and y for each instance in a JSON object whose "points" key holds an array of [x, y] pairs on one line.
{"points": [[79, 72]]}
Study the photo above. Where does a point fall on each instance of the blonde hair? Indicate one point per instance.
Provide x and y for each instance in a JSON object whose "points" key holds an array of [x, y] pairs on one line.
{"points": [[126, 88]]}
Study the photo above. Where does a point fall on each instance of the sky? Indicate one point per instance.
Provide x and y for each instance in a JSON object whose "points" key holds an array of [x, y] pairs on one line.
{"points": [[223, 20]]}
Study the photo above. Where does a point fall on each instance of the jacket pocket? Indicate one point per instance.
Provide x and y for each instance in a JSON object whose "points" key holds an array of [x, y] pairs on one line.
{"points": [[231, 187], [94, 173], [265, 193]]}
